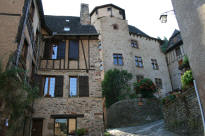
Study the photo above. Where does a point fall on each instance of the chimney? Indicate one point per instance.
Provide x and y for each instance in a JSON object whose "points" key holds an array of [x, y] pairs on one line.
{"points": [[84, 14]]}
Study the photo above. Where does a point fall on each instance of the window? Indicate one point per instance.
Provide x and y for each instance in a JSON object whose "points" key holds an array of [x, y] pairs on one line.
{"points": [[73, 86], [109, 9], [79, 86], [139, 77], [117, 59], [96, 11], [138, 61], [73, 49], [178, 51], [54, 51], [158, 82], [25, 49], [64, 126], [115, 26], [154, 64], [120, 12], [134, 44], [53, 86]]}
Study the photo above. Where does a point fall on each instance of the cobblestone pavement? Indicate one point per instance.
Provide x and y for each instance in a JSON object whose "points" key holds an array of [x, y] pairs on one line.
{"points": [[151, 129]]}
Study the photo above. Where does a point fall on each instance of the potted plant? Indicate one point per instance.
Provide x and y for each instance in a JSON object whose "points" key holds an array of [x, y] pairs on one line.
{"points": [[187, 79]]}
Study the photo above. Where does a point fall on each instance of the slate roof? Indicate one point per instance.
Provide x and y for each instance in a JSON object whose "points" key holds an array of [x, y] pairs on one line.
{"points": [[133, 29], [173, 43], [57, 23]]}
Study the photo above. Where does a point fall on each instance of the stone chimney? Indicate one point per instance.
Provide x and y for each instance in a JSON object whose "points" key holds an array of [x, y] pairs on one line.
{"points": [[84, 14]]}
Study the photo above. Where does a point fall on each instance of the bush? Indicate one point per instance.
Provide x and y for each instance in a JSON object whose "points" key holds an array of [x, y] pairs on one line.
{"points": [[145, 87], [81, 132], [187, 79], [168, 99], [107, 134], [113, 85]]}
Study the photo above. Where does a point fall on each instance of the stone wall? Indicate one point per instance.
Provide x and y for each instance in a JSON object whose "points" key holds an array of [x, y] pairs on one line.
{"points": [[182, 115], [128, 112], [192, 26]]}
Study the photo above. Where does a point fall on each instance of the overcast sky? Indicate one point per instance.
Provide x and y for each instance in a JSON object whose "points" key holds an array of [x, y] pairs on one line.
{"points": [[144, 14]]}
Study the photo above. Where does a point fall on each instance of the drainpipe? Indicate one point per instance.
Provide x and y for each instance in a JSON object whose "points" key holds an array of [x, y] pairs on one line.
{"points": [[200, 106]]}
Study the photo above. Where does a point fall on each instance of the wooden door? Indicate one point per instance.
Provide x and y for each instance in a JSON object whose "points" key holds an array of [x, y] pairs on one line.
{"points": [[37, 126]]}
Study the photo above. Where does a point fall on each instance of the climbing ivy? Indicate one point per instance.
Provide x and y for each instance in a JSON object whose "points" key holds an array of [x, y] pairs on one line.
{"points": [[16, 96]]}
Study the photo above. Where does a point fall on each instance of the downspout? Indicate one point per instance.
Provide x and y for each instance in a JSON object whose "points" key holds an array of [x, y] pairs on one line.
{"points": [[200, 106]]}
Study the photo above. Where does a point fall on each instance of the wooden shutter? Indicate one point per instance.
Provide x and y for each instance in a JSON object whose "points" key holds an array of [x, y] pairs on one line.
{"points": [[61, 50], [83, 86], [74, 49], [39, 82], [59, 86], [47, 51]]}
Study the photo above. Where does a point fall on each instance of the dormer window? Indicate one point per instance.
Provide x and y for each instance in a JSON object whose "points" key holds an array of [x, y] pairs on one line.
{"points": [[66, 29], [109, 9]]}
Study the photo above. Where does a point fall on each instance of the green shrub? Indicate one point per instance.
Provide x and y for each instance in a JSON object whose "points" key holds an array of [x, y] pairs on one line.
{"points": [[185, 60], [81, 132], [115, 85], [168, 98], [107, 134], [187, 79], [145, 87]]}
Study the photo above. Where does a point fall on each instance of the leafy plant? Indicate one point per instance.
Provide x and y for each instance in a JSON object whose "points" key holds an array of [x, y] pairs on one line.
{"points": [[81, 131], [145, 87], [187, 79], [16, 96], [107, 134], [115, 85], [185, 60], [168, 98]]}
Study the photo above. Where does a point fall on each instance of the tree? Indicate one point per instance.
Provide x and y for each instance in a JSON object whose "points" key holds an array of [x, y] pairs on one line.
{"points": [[113, 85], [164, 45], [145, 87]]}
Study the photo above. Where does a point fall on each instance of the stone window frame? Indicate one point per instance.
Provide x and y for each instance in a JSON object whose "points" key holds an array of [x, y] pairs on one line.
{"points": [[115, 26], [67, 124], [134, 44], [154, 63], [118, 57], [158, 82], [139, 62]]}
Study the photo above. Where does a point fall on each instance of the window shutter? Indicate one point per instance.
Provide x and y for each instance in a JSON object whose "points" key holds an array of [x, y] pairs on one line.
{"points": [[39, 82], [83, 86], [61, 50], [74, 49], [59, 86], [47, 51]]}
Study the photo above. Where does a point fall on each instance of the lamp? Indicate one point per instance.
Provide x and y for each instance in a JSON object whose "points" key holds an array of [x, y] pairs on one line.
{"points": [[163, 16]]}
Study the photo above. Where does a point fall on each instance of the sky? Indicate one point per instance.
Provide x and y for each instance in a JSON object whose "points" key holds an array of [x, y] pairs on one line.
{"points": [[143, 14]]}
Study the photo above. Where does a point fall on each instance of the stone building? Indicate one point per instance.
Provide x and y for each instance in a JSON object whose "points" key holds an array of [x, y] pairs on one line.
{"points": [[174, 55], [21, 23], [69, 78], [123, 46]]}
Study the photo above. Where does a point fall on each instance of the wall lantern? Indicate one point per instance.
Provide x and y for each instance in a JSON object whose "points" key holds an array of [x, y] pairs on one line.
{"points": [[163, 16]]}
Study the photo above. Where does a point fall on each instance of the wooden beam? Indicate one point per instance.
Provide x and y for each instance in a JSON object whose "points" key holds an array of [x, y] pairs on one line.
{"points": [[84, 54]]}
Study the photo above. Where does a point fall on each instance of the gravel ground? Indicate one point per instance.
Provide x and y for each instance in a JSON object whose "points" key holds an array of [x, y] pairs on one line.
{"points": [[151, 129]]}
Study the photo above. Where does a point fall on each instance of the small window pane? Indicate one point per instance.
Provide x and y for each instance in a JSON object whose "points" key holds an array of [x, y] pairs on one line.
{"points": [[60, 127], [72, 126], [49, 87], [73, 86], [54, 54]]}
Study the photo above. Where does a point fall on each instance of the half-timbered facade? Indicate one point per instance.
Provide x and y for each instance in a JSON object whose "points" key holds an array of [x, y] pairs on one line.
{"points": [[69, 78]]}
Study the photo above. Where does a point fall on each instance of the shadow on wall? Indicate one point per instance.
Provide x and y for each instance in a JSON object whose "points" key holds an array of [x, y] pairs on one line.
{"points": [[129, 113]]}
